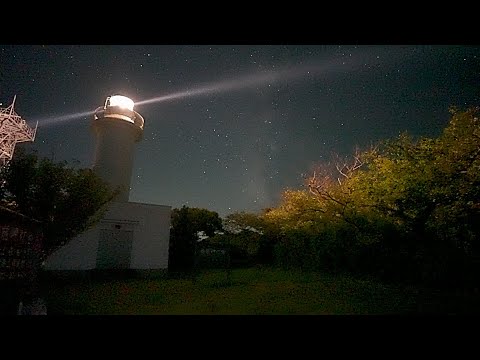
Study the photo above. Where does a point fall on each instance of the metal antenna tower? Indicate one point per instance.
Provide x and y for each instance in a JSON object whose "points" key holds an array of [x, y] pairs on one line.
{"points": [[13, 129]]}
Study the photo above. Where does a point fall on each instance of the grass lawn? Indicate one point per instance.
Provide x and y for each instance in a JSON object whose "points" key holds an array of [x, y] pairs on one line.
{"points": [[251, 291]]}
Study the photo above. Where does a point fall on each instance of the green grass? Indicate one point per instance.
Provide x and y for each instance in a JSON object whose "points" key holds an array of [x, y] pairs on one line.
{"points": [[250, 291]]}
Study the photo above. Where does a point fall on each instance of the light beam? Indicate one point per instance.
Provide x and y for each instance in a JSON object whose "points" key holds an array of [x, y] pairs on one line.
{"points": [[53, 120], [325, 68]]}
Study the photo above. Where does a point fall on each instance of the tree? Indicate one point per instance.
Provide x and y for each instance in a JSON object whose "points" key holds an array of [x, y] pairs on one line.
{"points": [[204, 220], [243, 221], [409, 207], [244, 234], [186, 224], [65, 200], [456, 215], [297, 209]]}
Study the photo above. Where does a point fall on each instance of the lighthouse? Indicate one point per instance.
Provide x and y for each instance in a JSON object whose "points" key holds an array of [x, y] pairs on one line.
{"points": [[117, 127], [130, 235]]}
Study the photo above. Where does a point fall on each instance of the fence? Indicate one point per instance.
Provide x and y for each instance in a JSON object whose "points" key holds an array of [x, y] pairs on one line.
{"points": [[21, 250]]}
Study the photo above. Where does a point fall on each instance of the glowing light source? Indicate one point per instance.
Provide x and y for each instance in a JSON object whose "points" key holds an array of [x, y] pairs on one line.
{"points": [[121, 101]]}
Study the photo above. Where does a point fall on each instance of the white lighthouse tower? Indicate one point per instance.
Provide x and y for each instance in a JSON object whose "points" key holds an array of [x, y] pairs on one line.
{"points": [[117, 128], [130, 235]]}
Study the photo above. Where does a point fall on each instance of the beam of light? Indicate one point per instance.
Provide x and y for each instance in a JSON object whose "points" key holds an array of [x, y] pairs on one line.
{"points": [[216, 87], [252, 80], [325, 68], [54, 120]]}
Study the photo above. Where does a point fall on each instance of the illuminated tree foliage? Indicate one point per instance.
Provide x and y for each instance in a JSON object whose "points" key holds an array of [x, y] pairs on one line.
{"points": [[405, 210], [65, 200]]}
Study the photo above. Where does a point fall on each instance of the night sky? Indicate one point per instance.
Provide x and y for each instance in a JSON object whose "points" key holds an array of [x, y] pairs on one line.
{"points": [[244, 122]]}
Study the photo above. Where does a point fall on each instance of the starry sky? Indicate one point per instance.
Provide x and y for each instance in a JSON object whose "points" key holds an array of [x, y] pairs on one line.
{"points": [[228, 127]]}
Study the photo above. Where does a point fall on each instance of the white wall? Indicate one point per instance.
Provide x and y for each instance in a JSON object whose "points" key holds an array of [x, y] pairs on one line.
{"points": [[78, 254], [151, 232], [151, 228]]}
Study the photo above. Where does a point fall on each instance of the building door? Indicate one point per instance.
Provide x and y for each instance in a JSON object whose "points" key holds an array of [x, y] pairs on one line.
{"points": [[114, 249]]}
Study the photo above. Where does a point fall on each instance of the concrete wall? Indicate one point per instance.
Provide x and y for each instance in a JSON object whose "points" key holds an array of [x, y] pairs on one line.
{"points": [[151, 231]]}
